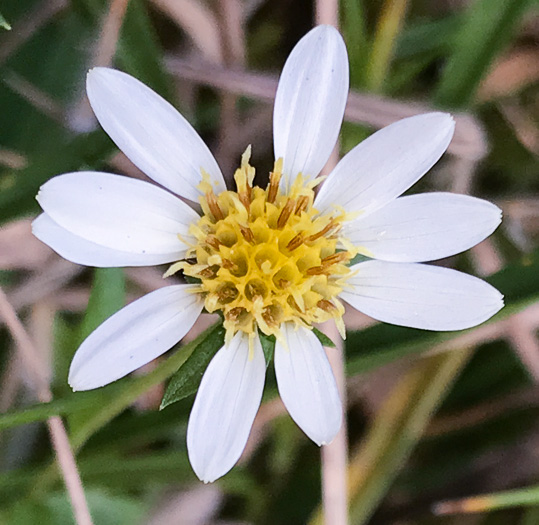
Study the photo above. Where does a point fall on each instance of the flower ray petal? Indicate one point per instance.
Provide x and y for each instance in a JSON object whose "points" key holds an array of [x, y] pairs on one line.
{"points": [[424, 227], [421, 296], [149, 130], [134, 336], [87, 253], [225, 407], [386, 164], [310, 101], [307, 385], [117, 212]]}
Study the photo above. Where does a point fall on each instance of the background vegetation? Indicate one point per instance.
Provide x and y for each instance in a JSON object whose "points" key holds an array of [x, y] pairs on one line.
{"points": [[432, 417]]}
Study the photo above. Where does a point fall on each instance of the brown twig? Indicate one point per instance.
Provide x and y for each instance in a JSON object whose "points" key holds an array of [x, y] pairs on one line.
{"points": [[334, 456], [37, 369], [233, 45], [83, 118], [37, 98], [373, 110]]}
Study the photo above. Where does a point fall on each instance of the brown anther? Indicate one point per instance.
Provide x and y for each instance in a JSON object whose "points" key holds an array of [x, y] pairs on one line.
{"points": [[234, 313], [213, 241], [227, 294], [329, 226], [283, 283], [230, 265], [269, 316], [247, 233], [213, 204], [286, 212], [303, 202], [335, 258], [316, 270], [273, 186], [296, 242], [326, 305], [245, 197], [293, 304], [209, 273]]}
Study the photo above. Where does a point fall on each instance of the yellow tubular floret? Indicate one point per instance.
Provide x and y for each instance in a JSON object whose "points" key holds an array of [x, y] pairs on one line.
{"points": [[264, 258]]}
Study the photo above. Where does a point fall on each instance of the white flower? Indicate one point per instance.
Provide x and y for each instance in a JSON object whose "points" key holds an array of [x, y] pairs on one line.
{"points": [[273, 259]]}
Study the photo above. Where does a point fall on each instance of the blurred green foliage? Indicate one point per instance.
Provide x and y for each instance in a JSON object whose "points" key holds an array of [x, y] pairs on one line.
{"points": [[129, 457]]}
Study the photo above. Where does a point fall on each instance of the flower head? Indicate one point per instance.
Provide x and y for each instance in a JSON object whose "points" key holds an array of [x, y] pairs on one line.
{"points": [[274, 260]]}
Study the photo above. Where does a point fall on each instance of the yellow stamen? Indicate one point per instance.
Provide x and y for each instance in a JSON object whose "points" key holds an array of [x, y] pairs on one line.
{"points": [[266, 257]]}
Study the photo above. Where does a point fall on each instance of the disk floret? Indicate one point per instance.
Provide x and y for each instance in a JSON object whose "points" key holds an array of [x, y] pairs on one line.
{"points": [[264, 257]]}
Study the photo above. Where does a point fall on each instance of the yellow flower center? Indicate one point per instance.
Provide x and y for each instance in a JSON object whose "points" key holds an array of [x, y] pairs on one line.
{"points": [[264, 257]]}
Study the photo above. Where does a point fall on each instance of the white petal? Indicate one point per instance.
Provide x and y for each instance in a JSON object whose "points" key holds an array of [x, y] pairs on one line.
{"points": [[225, 407], [424, 227], [118, 212], [386, 164], [310, 100], [421, 296], [134, 336], [307, 386], [87, 253], [151, 132]]}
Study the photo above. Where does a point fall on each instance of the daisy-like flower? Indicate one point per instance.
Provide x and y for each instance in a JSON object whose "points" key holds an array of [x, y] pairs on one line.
{"points": [[274, 260]]}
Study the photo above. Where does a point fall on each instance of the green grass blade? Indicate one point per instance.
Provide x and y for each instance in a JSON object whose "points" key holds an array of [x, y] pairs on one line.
{"points": [[387, 32], [4, 23], [106, 298], [526, 497], [357, 41], [397, 428], [485, 32]]}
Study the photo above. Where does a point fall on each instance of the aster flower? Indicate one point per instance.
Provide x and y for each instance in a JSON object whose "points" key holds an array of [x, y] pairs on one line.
{"points": [[274, 260]]}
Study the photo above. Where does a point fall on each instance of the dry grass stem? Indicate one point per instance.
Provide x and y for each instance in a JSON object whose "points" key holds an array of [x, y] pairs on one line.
{"points": [[199, 22], [376, 111], [44, 283], [12, 159], [37, 368], [82, 118], [334, 457], [38, 99], [110, 33]]}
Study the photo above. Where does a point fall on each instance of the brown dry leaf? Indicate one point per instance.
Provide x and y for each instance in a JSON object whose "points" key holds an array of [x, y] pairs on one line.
{"points": [[199, 22], [19, 249], [523, 125], [509, 75]]}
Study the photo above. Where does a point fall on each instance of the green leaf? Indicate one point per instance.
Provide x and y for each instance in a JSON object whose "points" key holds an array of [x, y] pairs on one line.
{"points": [[268, 346], [139, 51], [382, 50], [106, 509], [356, 37], [187, 379], [323, 338], [4, 23], [106, 298], [486, 30], [43, 411], [431, 37]]}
